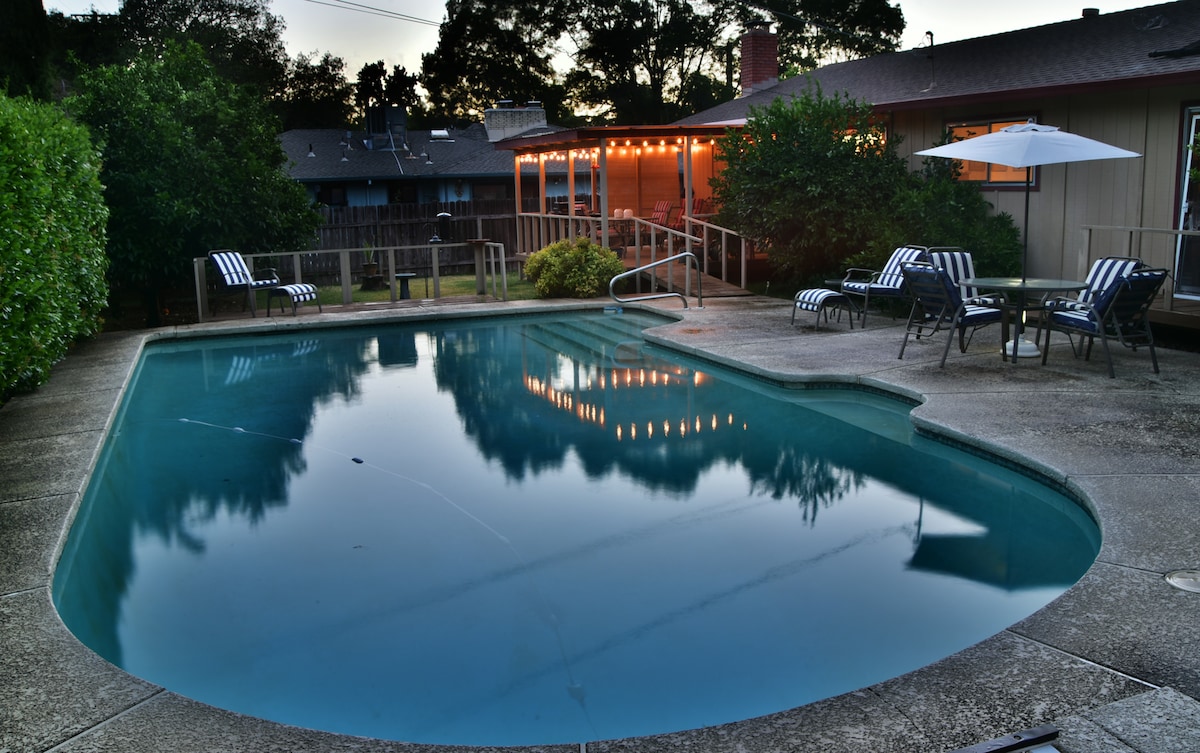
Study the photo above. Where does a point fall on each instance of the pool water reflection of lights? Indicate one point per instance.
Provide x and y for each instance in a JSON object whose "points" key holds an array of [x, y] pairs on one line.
{"points": [[534, 530]]}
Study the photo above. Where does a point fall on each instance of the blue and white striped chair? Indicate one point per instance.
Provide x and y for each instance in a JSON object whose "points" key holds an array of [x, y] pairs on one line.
{"points": [[1120, 310], [233, 276], [1100, 277], [297, 293], [958, 264], [937, 304], [884, 283], [819, 301]]}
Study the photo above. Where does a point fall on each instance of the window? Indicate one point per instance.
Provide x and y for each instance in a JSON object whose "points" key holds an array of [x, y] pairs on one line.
{"points": [[985, 172], [332, 196]]}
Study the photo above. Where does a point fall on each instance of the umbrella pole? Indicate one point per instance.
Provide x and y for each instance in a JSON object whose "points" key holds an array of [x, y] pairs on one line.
{"points": [[1025, 232], [1019, 347]]}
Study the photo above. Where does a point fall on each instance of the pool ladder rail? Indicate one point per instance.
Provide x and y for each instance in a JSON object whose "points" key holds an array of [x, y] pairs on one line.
{"points": [[686, 256]]}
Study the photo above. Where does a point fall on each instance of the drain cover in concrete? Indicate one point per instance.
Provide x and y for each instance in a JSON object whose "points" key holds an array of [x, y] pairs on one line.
{"points": [[1188, 580]]}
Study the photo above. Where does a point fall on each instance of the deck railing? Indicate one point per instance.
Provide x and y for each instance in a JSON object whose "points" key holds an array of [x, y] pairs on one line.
{"points": [[343, 267], [721, 250], [690, 262]]}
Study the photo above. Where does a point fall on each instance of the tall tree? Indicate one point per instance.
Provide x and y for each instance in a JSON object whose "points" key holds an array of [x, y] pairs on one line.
{"points": [[24, 42], [191, 163], [375, 87], [242, 38], [816, 32], [316, 95], [643, 61], [490, 50], [369, 87], [401, 88]]}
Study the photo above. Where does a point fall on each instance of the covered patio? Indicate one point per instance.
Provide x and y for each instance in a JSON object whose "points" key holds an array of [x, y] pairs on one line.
{"points": [[643, 191]]}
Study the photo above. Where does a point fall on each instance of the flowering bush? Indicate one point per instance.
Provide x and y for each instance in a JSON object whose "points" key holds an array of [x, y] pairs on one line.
{"points": [[576, 268]]}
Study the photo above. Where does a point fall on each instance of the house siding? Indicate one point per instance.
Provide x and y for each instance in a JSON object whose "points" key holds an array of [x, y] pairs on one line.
{"points": [[1127, 193]]}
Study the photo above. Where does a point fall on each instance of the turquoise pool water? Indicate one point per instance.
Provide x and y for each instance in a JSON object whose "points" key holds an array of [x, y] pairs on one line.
{"points": [[534, 530]]}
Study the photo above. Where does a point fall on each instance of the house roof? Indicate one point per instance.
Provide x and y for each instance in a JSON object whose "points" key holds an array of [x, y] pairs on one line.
{"points": [[592, 135], [465, 153], [1151, 46]]}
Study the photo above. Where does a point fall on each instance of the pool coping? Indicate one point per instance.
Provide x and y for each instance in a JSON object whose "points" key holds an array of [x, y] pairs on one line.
{"points": [[1114, 662]]}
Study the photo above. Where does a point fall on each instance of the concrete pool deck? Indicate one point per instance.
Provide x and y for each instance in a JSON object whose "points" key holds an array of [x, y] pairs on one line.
{"points": [[1114, 662]]}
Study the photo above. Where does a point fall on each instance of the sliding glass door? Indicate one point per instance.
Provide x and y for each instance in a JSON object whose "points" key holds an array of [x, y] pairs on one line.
{"points": [[1187, 254]]}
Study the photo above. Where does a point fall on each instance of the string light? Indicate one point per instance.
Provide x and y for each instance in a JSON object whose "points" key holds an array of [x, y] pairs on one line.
{"points": [[578, 404]]}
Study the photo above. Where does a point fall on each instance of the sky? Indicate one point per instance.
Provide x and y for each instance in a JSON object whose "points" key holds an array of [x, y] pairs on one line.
{"points": [[359, 37]]}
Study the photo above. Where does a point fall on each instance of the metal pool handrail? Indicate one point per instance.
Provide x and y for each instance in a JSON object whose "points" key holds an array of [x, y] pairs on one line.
{"points": [[685, 256]]}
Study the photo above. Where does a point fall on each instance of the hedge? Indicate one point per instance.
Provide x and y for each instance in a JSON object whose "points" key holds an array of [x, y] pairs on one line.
{"points": [[52, 241]]}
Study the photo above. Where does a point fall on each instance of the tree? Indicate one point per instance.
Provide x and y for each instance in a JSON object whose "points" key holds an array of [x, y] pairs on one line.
{"points": [[24, 39], [368, 91], [494, 50], [79, 42], [645, 61], [191, 163], [242, 39], [401, 88], [316, 94], [816, 32], [811, 179]]}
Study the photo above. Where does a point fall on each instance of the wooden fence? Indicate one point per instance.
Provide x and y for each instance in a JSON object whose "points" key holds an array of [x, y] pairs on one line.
{"points": [[415, 224]]}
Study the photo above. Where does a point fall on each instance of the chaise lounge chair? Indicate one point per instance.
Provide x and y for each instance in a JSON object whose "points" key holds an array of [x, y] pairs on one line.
{"points": [[885, 283], [234, 277]]}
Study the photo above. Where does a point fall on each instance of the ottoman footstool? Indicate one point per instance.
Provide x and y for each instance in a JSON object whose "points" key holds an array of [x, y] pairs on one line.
{"points": [[820, 300], [298, 293]]}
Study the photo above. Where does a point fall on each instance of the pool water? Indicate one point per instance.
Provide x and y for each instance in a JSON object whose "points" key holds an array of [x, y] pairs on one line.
{"points": [[534, 530]]}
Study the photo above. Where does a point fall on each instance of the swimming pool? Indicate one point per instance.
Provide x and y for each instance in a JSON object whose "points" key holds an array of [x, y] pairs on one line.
{"points": [[725, 549]]}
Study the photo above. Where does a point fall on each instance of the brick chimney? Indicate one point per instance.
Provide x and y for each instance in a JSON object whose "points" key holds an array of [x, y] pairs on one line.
{"points": [[760, 58]]}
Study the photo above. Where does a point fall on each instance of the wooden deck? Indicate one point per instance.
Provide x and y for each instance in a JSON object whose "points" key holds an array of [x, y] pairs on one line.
{"points": [[674, 281]]}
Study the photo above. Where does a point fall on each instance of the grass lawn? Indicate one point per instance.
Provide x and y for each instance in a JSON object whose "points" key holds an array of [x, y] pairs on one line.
{"points": [[455, 286]]}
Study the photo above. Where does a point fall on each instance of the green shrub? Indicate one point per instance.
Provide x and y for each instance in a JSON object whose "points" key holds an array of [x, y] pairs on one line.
{"points": [[943, 210], [575, 268], [52, 241], [810, 179]]}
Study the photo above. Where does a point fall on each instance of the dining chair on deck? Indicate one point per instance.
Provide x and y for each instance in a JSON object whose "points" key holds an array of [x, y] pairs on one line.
{"points": [[887, 283], [937, 304], [662, 212], [1121, 310]]}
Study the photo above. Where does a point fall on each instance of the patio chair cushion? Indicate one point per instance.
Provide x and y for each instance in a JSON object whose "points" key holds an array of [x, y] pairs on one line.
{"points": [[1100, 278]]}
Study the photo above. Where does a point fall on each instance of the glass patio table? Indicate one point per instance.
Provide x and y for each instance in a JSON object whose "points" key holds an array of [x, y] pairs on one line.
{"points": [[1020, 295]]}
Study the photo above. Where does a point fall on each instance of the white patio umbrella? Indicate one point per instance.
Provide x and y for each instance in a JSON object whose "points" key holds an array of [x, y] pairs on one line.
{"points": [[1028, 145]]}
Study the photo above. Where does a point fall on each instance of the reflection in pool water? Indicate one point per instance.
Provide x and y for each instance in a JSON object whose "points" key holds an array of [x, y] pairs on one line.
{"points": [[534, 530]]}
